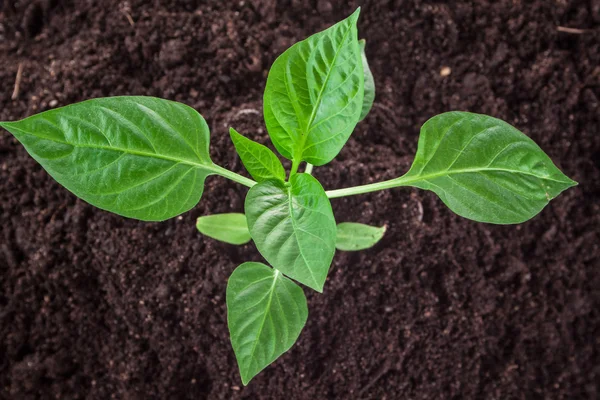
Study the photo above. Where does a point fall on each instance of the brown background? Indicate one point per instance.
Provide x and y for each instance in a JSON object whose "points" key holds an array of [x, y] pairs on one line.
{"points": [[93, 305]]}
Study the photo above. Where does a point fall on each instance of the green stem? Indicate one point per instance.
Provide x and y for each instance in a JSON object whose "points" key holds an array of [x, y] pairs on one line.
{"points": [[308, 169], [294, 170], [372, 187], [233, 176]]}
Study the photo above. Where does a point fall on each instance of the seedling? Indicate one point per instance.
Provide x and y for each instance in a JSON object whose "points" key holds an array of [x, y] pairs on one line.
{"points": [[147, 158]]}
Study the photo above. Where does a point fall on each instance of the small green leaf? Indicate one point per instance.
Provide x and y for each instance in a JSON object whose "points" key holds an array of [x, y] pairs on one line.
{"points": [[229, 228], [140, 157], [352, 236], [369, 97], [259, 160], [314, 94], [484, 169], [293, 227], [265, 313]]}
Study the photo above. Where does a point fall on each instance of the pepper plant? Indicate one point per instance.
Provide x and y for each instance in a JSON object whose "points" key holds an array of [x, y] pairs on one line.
{"points": [[147, 158]]}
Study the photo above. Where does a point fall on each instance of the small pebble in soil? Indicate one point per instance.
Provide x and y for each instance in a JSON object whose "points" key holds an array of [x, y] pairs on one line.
{"points": [[445, 71], [172, 53], [324, 7]]}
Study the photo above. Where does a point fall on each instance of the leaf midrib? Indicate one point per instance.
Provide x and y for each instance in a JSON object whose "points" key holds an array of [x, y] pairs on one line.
{"points": [[208, 167], [269, 171], [296, 229], [237, 229], [407, 179], [313, 115], [262, 324]]}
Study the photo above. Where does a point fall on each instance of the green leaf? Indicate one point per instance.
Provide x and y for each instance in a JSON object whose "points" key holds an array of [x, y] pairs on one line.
{"points": [[229, 228], [484, 169], [140, 157], [265, 313], [259, 160], [352, 236], [293, 227], [369, 97], [314, 94]]}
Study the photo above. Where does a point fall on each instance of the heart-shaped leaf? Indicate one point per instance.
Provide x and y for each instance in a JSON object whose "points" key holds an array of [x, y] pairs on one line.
{"points": [[352, 236], [369, 97], [314, 94], [229, 228], [259, 160], [265, 313], [293, 227], [140, 157], [484, 169]]}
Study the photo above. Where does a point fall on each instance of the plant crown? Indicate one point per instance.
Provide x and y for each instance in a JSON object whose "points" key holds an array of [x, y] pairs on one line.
{"points": [[148, 158]]}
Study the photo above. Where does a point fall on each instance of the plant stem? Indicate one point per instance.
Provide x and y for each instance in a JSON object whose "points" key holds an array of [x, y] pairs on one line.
{"points": [[233, 176], [372, 187], [308, 169], [294, 170]]}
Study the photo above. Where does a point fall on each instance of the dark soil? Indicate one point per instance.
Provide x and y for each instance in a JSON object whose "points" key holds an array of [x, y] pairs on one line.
{"points": [[96, 306]]}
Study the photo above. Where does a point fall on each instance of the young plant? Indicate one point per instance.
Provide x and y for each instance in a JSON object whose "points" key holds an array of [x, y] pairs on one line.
{"points": [[147, 158]]}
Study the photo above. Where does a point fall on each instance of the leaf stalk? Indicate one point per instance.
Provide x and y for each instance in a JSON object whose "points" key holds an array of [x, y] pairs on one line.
{"points": [[233, 176]]}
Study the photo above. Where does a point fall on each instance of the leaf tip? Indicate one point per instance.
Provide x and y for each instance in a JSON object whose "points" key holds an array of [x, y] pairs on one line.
{"points": [[318, 287], [355, 14], [245, 381], [567, 182], [315, 285]]}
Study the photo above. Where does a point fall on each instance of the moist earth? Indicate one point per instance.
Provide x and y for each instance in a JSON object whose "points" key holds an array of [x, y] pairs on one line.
{"points": [[96, 306]]}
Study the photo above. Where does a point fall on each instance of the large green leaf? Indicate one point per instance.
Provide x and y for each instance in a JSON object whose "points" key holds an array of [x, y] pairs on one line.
{"points": [[293, 227], [484, 169], [140, 157], [352, 236], [314, 94], [259, 160], [229, 228], [265, 313], [369, 97]]}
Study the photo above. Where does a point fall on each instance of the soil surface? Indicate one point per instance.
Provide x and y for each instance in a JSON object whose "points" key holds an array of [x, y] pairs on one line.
{"points": [[96, 306]]}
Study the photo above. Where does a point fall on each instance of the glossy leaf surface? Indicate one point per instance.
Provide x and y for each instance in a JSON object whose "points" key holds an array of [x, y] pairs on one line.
{"points": [[293, 227], [352, 236], [229, 228], [265, 313], [314, 94], [259, 160], [140, 157], [484, 169], [369, 96]]}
